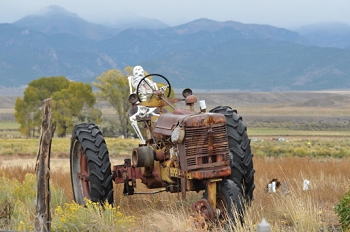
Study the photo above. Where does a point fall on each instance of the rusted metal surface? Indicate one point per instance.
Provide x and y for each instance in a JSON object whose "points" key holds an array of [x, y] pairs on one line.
{"points": [[204, 208], [211, 191], [210, 173], [201, 174], [166, 123], [183, 181], [84, 174], [160, 155], [205, 144], [202, 154], [202, 120], [126, 172], [191, 99]]}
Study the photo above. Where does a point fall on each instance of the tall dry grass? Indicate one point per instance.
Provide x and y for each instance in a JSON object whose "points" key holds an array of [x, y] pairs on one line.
{"points": [[301, 210], [289, 209]]}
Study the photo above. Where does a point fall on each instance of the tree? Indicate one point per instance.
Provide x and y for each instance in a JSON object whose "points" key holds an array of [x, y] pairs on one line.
{"points": [[23, 118], [74, 105], [72, 102], [27, 110], [114, 88]]}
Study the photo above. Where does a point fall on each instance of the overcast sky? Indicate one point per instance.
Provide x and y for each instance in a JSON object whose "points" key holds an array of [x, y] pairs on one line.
{"points": [[281, 13]]}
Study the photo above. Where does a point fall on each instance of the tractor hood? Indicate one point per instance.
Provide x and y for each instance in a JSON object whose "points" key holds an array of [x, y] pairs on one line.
{"points": [[167, 122]]}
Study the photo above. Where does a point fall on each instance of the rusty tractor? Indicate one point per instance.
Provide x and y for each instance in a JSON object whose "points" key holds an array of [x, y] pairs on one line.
{"points": [[183, 150]]}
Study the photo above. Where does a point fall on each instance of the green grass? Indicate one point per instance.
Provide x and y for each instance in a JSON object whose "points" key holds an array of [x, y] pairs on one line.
{"points": [[315, 148], [295, 133], [8, 125], [331, 145], [10, 146], [9, 129]]}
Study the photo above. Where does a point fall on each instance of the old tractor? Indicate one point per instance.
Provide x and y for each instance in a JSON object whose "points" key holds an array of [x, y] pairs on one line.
{"points": [[181, 150]]}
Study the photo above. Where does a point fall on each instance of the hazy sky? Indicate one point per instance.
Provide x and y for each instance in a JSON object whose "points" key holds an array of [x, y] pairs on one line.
{"points": [[282, 13]]}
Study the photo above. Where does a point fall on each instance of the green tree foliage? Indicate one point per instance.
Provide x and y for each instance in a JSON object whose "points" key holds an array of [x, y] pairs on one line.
{"points": [[114, 88], [46, 86], [72, 105], [72, 102], [342, 209], [24, 117], [27, 110]]}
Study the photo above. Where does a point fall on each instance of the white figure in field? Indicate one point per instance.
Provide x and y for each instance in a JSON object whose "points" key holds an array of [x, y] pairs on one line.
{"points": [[145, 88], [306, 185]]}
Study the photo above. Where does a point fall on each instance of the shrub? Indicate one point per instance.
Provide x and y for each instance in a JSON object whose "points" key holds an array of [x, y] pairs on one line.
{"points": [[342, 209], [17, 201], [91, 217], [301, 152], [13, 199]]}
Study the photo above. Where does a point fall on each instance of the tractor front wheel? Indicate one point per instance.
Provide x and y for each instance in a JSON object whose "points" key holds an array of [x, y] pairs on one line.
{"points": [[229, 202], [90, 166]]}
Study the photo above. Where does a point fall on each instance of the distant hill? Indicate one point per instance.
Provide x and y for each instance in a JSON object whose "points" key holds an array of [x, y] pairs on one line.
{"points": [[56, 20], [258, 65], [202, 54], [137, 22], [327, 34]]}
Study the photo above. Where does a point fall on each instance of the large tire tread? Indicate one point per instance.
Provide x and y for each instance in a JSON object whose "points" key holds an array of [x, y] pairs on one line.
{"points": [[234, 199], [242, 171], [96, 152]]}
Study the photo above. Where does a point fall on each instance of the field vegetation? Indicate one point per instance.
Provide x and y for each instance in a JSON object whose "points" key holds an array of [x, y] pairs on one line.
{"points": [[294, 138], [289, 209]]}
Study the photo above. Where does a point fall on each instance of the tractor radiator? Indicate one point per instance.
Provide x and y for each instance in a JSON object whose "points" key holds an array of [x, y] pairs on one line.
{"points": [[206, 146]]}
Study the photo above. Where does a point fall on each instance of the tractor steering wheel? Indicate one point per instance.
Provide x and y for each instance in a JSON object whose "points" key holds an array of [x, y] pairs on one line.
{"points": [[152, 87]]}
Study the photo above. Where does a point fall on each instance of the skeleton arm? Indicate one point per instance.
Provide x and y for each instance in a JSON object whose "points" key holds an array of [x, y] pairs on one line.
{"points": [[130, 83], [142, 112]]}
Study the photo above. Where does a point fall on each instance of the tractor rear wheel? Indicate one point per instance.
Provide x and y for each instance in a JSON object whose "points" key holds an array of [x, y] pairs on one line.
{"points": [[90, 166], [242, 171]]}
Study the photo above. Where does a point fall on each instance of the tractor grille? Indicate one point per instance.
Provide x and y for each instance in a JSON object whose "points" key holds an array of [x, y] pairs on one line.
{"points": [[206, 146]]}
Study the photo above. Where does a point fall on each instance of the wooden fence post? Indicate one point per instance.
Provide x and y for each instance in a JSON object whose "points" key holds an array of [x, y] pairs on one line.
{"points": [[42, 168]]}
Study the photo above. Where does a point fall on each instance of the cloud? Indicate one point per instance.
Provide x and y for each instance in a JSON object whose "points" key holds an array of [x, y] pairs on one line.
{"points": [[273, 12]]}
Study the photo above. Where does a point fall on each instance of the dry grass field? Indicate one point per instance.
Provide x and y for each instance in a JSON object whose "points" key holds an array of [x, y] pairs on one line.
{"points": [[289, 209], [314, 119]]}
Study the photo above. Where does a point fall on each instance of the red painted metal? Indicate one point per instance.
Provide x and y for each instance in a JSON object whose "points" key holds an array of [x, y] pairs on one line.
{"points": [[126, 172], [84, 175]]}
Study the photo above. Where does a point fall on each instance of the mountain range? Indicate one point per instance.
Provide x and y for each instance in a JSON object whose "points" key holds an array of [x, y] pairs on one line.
{"points": [[201, 54]]}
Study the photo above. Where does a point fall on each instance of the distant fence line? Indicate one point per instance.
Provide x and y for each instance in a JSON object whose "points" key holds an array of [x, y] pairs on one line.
{"points": [[12, 146], [11, 136], [10, 133], [8, 129]]}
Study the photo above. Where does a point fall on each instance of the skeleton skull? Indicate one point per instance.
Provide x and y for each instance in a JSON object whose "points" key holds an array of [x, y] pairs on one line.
{"points": [[138, 71]]}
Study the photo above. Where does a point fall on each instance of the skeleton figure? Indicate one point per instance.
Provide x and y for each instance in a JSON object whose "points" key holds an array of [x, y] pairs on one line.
{"points": [[146, 88]]}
